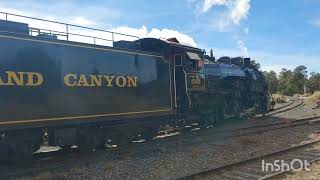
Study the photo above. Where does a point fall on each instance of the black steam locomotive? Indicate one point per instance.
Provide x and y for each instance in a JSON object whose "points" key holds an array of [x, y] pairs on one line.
{"points": [[85, 94]]}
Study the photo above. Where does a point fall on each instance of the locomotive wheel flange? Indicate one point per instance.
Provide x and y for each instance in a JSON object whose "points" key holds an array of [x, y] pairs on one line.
{"points": [[150, 133], [88, 139]]}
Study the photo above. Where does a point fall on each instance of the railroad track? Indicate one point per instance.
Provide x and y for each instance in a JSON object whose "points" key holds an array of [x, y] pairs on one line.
{"points": [[252, 168], [300, 103], [264, 128], [286, 105]]}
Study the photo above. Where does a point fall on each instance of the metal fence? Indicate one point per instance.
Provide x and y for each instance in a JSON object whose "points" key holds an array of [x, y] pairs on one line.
{"points": [[68, 32]]}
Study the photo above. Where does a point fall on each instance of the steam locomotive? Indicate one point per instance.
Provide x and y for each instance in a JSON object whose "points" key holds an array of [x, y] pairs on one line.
{"points": [[85, 94]]}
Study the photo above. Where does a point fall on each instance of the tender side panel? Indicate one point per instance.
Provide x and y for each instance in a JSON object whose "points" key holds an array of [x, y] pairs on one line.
{"points": [[49, 81]]}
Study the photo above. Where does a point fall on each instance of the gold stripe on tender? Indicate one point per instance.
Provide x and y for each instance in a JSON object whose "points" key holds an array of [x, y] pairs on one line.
{"points": [[79, 117]]}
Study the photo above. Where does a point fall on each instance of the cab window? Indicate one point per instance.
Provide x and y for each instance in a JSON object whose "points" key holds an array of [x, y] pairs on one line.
{"points": [[195, 62]]}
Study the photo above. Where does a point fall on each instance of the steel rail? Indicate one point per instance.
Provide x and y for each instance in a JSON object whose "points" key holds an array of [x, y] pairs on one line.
{"points": [[291, 102], [288, 109], [239, 163]]}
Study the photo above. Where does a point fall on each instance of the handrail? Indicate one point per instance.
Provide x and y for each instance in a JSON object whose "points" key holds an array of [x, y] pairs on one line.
{"points": [[53, 31], [185, 78], [67, 26]]}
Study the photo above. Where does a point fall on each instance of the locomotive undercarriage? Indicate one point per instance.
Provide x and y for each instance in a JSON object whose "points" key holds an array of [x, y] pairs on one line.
{"points": [[212, 108], [208, 109], [20, 145]]}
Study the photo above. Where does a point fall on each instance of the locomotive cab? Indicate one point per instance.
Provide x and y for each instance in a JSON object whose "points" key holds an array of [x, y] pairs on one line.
{"points": [[186, 66], [188, 78]]}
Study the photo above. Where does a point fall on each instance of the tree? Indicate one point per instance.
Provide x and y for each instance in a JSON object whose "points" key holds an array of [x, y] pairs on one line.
{"points": [[293, 82], [272, 80], [255, 65], [313, 84], [285, 85], [300, 78]]}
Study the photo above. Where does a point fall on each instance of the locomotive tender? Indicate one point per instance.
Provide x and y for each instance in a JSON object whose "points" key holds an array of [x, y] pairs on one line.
{"points": [[84, 94]]}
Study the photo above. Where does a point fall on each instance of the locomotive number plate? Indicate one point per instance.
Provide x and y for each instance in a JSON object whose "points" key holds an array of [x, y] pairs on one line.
{"points": [[196, 82]]}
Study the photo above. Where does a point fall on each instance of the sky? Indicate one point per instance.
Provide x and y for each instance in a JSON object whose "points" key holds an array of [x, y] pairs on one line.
{"points": [[277, 34]]}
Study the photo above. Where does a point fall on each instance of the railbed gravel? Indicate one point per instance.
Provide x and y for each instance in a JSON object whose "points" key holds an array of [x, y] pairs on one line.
{"points": [[173, 159]]}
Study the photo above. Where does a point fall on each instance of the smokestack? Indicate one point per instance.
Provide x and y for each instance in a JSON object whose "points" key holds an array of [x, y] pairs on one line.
{"points": [[246, 62]]}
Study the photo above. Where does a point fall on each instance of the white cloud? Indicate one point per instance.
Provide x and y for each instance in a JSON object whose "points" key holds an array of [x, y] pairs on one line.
{"points": [[208, 4], [140, 32], [233, 13], [157, 33], [239, 50], [168, 33], [315, 22], [277, 61], [82, 21], [14, 11], [239, 10], [66, 10], [275, 67], [243, 48], [246, 30]]}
